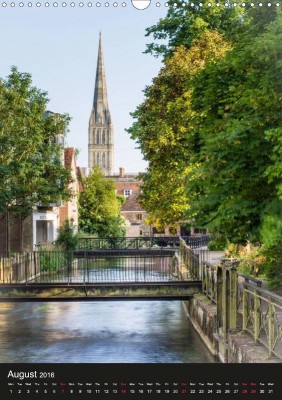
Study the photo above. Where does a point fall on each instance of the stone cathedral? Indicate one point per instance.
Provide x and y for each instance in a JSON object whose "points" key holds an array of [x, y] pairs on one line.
{"points": [[100, 133]]}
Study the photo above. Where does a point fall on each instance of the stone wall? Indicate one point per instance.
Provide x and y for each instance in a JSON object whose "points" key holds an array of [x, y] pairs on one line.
{"points": [[202, 314], [240, 346]]}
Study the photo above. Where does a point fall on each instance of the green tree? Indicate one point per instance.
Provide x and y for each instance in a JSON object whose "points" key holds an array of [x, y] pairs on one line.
{"points": [[271, 236], [67, 237], [68, 241], [182, 25], [210, 125], [238, 172], [165, 129], [99, 206], [31, 171]]}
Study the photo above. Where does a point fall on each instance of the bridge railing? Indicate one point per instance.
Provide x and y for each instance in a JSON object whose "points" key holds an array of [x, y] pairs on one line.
{"points": [[140, 242], [195, 242], [101, 266]]}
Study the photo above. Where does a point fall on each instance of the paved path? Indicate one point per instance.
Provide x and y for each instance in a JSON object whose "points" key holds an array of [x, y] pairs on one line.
{"points": [[215, 257]]}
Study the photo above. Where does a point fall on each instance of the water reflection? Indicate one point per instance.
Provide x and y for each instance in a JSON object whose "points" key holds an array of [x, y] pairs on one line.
{"points": [[139, 331]]}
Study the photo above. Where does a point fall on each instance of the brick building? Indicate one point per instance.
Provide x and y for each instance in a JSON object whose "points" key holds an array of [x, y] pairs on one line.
{"points": [[129, 186], [24, 234], [69, 209]]}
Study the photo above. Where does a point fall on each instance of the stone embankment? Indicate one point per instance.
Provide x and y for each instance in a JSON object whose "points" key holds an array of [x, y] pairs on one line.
{"points": [[239, 347]]}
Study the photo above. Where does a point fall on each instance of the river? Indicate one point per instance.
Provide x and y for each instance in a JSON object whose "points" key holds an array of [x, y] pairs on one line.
{"points": [[99, 332]]}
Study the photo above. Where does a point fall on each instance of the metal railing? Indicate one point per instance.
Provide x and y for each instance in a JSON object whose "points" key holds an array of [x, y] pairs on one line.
{"points": [[106, 267], [190, 261], [242, 304], [19, 268], [262, 317], [209, 281], [195, 242], [140, 242]]}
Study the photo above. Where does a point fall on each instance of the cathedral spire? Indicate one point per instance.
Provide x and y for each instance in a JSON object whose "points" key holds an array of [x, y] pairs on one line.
{"points": [[100, 132], [100, 103]]}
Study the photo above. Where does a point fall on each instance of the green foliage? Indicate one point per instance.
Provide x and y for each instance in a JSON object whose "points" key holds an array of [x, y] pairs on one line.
{"points": [[273, 266], [238, 173], [30, 168], [218, 242], [164, 129], [51, 260], [251, 258], [182, 25], [81, 234], [67, 238], [99, 207], [271, 236], [112, 227], [210, 124]]}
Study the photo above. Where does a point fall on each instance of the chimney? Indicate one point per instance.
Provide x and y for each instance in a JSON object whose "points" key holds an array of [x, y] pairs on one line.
{"points": [[121, 172]]}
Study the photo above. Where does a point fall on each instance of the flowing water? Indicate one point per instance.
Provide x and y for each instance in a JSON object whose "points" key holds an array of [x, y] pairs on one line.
{"points": [[99, 332]]}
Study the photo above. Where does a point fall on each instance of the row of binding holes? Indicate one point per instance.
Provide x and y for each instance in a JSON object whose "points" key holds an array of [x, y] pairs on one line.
{"points": [[124, 4]]}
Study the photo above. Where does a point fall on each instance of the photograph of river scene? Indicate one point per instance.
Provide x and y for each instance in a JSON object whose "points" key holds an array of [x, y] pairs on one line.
{"points": [[140, 184]]}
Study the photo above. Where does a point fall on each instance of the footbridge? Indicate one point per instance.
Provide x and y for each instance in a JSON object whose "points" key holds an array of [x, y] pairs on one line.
{"points": [[131, 269], [102, 269]]}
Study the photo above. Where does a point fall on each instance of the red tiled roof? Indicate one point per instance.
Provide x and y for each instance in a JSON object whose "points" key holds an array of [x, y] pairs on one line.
{"points": [[69, 154], [79, 177], [132, 203]]}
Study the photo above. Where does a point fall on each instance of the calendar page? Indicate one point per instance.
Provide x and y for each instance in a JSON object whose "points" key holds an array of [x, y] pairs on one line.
{"points": [[140, 199]]}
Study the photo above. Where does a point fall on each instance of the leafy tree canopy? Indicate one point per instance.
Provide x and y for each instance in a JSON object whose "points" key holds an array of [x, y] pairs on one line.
{"points": [[210, 124], [67, 237], [164, 128], [31, 171], [99, 206], [182, 25], [240, 133]]}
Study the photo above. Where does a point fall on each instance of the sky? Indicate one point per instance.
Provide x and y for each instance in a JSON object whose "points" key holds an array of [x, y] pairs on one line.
{"points": [[58, 46]]}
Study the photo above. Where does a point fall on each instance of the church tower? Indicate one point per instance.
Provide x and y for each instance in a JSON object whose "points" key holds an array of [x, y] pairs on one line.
{"points": [[100, 132]]}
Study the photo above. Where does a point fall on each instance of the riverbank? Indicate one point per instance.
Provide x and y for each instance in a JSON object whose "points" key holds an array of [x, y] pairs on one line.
{"points": [[240, 346]]}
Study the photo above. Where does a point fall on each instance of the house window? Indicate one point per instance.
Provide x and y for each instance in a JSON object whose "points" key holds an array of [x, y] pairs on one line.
{"points": [[98, 159], [140, 232], [139, 217], [104, 160], [158, 231], [127, 192]]}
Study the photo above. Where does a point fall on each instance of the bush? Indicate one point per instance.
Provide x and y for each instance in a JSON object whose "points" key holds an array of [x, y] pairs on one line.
{"points": [[218, 240], [251, 258], [67, 238], [273, 266], [217, 244], [51, 260]]}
